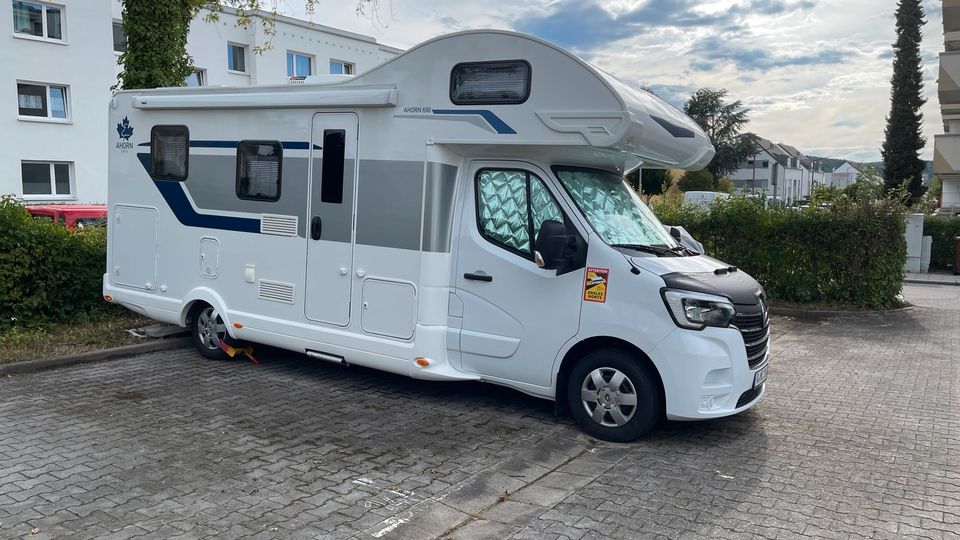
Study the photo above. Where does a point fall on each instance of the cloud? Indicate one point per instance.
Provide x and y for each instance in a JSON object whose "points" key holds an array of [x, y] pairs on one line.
{"points": [[713, 50], [584, 24], [848, 123]]}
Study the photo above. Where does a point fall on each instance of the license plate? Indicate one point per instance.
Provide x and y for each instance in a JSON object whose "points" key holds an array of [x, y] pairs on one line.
{"points": [[760, 376]]}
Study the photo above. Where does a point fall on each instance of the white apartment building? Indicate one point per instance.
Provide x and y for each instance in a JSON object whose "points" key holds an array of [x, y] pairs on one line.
{"points": [[946, 147], [59, 61]]}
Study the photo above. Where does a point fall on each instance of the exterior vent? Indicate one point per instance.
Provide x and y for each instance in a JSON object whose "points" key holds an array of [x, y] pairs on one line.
{"points": [[278, 225], [276, 291]]}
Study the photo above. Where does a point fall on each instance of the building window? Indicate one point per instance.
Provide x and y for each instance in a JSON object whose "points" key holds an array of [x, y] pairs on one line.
{"points": [[38, 19], [299, 65], [765, 164], [197, 78], [42, 101], [45, 179], [750, 163], [119, 38], [258, 170], [236, 57], [169, 153], [490, 83], [341, 68]]}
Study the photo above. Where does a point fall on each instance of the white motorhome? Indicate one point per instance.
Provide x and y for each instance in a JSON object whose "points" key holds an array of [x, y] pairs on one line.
{"points": [[457, 213]]}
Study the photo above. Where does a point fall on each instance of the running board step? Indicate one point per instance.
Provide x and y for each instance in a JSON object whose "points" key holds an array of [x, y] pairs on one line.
{"points": [[328, 357]]}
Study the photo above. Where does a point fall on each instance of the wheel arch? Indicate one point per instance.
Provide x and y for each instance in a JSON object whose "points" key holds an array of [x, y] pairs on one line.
{"points": [[207, 296], [581, 348]]}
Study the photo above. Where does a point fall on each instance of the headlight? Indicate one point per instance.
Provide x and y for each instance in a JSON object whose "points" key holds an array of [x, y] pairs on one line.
{"points": [[697, 310]]}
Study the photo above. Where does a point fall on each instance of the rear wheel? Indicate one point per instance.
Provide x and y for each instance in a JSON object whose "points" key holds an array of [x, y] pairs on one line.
{"points": [[208, 330], [613, 397]]}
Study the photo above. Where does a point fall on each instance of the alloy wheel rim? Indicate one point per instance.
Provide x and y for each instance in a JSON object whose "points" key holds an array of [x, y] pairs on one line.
{"points": [[210, 328], [609, 397]]}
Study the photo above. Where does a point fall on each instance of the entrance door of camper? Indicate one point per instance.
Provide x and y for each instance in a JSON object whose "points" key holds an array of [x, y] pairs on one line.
{"points": [[330, 222]]}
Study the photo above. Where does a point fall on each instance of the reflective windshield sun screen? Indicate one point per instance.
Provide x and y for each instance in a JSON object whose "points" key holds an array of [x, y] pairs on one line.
{"points": [[614, 210]]}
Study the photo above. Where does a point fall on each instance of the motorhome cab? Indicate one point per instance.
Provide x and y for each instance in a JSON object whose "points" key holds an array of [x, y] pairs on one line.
{"points": [[457, 213]]}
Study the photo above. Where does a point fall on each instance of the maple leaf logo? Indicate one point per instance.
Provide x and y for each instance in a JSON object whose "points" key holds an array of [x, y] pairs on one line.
{"points": [[124, 129]]}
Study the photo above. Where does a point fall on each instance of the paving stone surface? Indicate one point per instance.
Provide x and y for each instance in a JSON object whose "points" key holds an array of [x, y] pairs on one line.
{"points": [[858, 436]]}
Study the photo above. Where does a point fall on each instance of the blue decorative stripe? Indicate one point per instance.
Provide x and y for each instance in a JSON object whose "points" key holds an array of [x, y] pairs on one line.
{"points": [[679, 132], [495, 122], [176, 199], [287, 145]]}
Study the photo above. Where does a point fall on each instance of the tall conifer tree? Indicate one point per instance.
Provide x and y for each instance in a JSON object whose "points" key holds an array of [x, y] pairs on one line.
{"points": [[903, 140]]}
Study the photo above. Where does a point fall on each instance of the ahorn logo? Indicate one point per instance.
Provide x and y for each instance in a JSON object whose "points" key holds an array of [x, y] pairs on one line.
{"points": [[125, 131]]}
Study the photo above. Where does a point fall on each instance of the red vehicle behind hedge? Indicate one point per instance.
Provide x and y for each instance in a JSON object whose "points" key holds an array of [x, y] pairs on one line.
{"points": [[71, 215]]}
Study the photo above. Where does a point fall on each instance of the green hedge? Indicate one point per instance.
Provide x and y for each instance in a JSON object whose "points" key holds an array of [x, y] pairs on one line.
{"points": [[47, 272], [942, 229], [851, 253]]}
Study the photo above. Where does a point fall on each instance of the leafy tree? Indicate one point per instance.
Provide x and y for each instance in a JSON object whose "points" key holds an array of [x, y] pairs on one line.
{"points": [[723, 123], [650, 181], [903, 139], [156, 32], [697, 181]]}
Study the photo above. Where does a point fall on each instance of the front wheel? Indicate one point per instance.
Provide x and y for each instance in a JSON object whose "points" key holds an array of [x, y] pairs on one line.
{"points": [[613, 397], [208, 330]]}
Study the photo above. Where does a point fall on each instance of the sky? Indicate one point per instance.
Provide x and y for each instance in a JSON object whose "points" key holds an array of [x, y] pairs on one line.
{"points": [[815, 74]]}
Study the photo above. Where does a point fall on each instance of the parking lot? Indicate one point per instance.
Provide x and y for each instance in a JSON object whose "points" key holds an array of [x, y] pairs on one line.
{"points": [[857, 436]]}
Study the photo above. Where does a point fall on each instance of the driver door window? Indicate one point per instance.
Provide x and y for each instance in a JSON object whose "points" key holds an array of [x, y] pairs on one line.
{"points": [[511, 207]]}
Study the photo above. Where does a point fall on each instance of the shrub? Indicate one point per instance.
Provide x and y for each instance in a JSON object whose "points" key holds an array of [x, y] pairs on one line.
{"points": [[942, 229], [47, 273], [850, 253], [697, 181]]}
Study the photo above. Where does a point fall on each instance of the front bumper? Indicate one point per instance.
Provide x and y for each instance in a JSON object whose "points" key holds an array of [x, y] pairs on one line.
{"points": [[705, 373]]}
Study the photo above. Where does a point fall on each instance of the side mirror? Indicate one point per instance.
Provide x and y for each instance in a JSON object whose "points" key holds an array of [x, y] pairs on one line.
{"points": [[554, 245]]}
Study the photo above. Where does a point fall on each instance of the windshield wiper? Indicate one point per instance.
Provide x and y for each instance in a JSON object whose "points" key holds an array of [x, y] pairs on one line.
{"points": [[661, 251]]}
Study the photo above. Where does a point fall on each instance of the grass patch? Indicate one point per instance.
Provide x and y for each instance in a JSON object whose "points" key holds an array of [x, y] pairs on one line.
{"points": [[19, 343]]}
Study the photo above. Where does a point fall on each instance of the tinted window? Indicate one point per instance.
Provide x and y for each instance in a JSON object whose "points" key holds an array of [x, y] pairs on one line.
{"points": [[490, 83], [258, 170], [169, 152], [334, 148]]}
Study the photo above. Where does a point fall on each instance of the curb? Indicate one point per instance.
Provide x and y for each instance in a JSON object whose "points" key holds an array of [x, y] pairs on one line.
{"points": [[820, 315], [933, 282], [115, 353]]}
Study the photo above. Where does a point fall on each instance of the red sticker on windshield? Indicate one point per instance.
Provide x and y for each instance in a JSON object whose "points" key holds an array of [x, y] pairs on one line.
{"points": [[595, 284]]}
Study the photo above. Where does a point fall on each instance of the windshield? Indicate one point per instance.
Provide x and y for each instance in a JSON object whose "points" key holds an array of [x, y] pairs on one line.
{"points": [[614, 210]]}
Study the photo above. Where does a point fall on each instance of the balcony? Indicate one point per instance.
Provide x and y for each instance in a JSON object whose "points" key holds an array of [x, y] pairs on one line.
{"points": [[951, 25], [946, 156], [948, 83]]}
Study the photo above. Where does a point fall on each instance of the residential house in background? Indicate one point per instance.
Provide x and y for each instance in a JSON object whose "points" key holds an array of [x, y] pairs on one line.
{"points": [[946, 147], [778, 170], [60, 60], [843, 175]]}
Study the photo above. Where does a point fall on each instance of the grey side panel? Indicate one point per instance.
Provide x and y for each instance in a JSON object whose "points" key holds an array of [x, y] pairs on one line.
{"points": [[336, 219], [389, 203], [213, 186], [440, 189]]}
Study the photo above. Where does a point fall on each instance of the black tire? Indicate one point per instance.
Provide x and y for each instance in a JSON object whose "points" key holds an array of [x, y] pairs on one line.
{"points": [[207, 330], [611, 417]]}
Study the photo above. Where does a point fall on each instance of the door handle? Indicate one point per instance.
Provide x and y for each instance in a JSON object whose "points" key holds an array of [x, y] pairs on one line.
{"points": [[316, 228], [478, 276]]}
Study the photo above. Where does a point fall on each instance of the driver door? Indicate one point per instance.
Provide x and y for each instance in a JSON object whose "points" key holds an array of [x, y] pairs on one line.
{"points": [[516, 316]]}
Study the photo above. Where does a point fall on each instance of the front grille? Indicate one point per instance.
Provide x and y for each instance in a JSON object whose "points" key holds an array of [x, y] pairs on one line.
{"points": [[749, 396], [749, 320]]}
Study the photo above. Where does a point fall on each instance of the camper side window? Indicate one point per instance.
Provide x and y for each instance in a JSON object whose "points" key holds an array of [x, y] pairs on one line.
{"points": [[331, 179], [259, 166], [511, 207], [504, 82], [169, 152]]}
